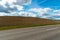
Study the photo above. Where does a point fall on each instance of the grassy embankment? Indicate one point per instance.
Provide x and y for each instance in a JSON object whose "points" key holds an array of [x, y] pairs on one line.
{"points": [[7, 22]]}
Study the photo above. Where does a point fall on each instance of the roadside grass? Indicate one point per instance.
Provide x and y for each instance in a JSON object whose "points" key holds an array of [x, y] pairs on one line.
{"points": [[13, 22], [27, 26]]}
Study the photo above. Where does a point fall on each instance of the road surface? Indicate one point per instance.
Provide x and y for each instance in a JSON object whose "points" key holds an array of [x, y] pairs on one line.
{"points": [[34, 33]]}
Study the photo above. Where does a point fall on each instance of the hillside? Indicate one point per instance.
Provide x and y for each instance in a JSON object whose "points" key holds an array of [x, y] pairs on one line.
{"points": [[23, 21]]}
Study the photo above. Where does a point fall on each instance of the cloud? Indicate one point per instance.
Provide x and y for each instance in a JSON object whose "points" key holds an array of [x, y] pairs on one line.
{"points": [[3, 2], [55, 15], [23, 2], [12, 5], [3, 14], [16, 8], [9, 14], [56, 11], [26, 14], [48, 13], [40, 11]]}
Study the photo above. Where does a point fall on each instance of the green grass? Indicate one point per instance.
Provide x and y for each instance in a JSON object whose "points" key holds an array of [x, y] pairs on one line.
{"points": [[15, 27]]}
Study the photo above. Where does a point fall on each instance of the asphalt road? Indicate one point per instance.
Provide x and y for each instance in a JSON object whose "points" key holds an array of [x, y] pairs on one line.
{"points": [[36, 33]]}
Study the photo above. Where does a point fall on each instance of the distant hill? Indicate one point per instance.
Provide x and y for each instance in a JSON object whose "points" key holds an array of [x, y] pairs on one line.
{"points": [[23, 21]]}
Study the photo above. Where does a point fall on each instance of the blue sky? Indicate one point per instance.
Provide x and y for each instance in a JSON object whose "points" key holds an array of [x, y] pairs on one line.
{"points": [[51, 3], [46, 3], [49, 9]]}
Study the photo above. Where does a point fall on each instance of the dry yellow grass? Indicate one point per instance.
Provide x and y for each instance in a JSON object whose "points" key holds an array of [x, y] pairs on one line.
{"points": [[23, 21]]}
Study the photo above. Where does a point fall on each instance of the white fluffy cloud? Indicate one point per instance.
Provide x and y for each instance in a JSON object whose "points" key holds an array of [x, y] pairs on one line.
{"points": [[22, 13], [56, 11], [47, 13], [40, 10], [36, 12], [19, 7], [23, 2], [27, 14], [4, 14], [3, 2], [11, 8], [13, 5]]}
